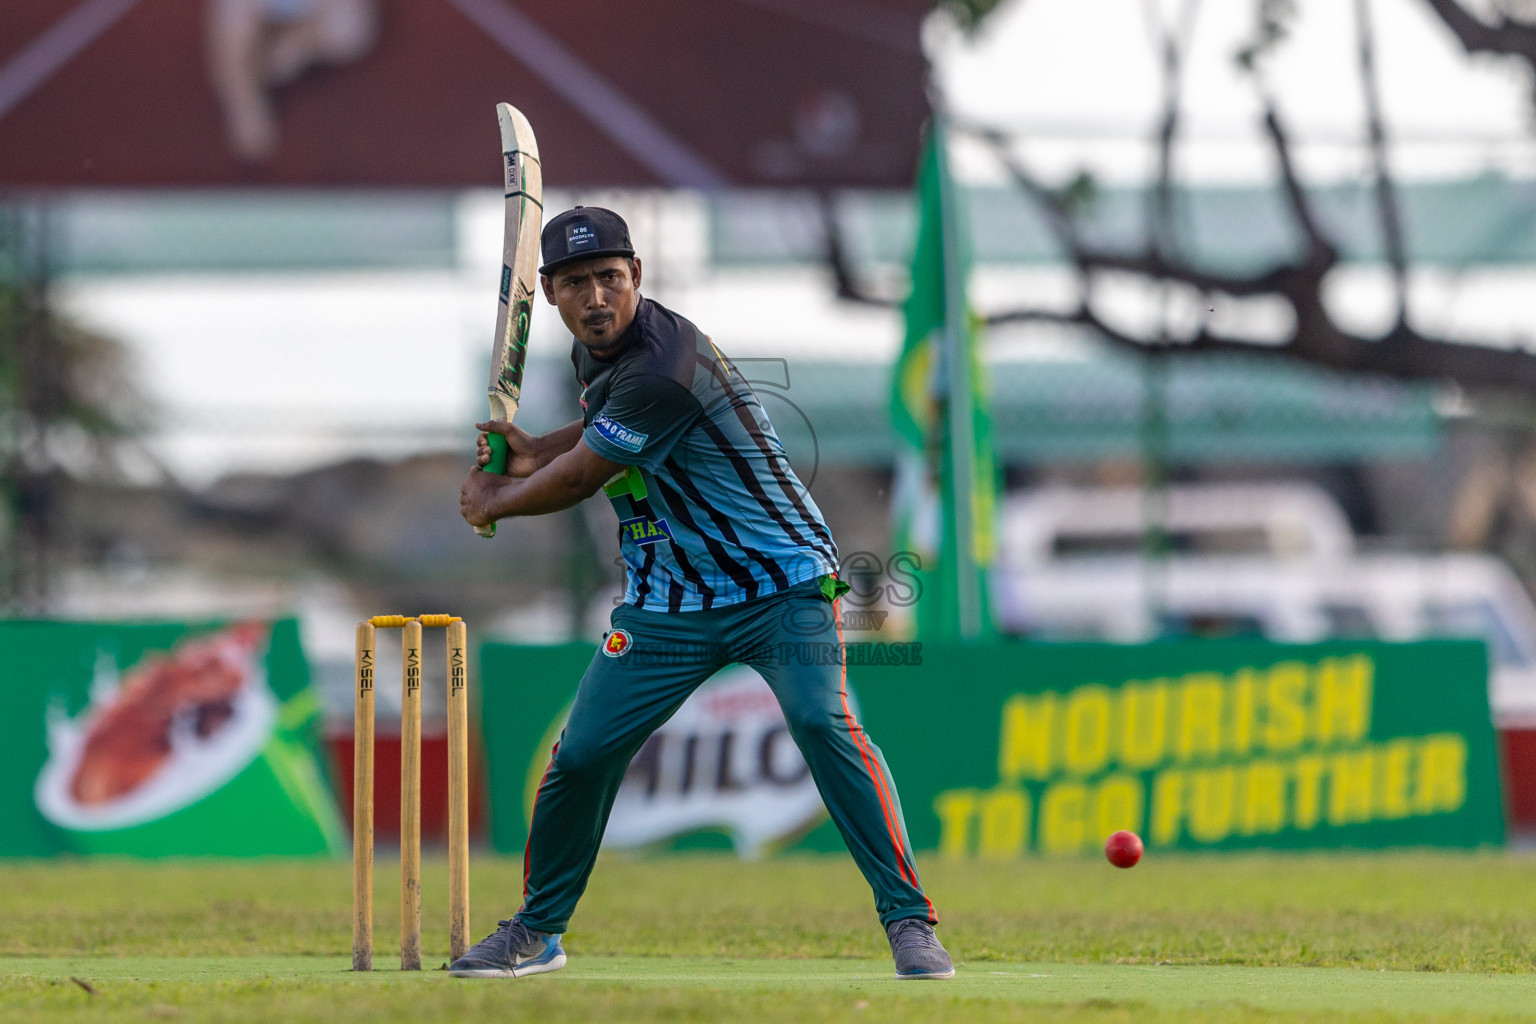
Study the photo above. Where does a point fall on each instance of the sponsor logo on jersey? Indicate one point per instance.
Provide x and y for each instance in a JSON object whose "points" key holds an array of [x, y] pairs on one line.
{"points": [[644, 531], [617, 434], [618, 644], [580, 236]]}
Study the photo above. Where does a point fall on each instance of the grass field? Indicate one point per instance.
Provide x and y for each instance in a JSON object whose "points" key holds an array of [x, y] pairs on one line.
{"points": [[1244, 938]]}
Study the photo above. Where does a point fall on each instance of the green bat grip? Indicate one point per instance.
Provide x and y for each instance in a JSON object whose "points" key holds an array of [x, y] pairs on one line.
{"points": [[498, 465]]}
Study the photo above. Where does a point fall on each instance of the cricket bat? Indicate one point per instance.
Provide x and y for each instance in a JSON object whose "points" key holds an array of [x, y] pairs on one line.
{"points": [[523, 186]]}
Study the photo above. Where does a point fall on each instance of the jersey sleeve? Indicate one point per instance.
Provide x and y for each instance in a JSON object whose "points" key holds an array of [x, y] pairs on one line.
{"points": [[642, 420]]}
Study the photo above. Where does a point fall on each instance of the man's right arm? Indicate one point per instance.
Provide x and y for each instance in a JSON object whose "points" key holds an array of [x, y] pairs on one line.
{"points": [[528, 454]]}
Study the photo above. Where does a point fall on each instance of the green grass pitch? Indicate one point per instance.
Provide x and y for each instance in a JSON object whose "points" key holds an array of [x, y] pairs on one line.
{"points": [[1402, 936]]}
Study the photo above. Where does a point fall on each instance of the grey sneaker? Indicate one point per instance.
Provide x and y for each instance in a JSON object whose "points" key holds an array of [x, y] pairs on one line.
{"points": [[917, 950], [511, 951]]}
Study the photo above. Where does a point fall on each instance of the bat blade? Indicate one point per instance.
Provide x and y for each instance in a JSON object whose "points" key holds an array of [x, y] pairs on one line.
{"points": [[523, 187]]}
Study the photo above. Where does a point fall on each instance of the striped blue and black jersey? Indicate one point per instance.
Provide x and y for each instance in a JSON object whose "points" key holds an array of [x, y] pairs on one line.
{"points": [[710, 512]]}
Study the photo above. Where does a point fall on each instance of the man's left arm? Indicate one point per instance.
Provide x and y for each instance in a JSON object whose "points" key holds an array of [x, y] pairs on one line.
{"points": [[566, 481], [640, 424]]}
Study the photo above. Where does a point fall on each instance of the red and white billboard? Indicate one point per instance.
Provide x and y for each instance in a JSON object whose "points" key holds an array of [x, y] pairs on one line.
{"points": [[702, 93]]}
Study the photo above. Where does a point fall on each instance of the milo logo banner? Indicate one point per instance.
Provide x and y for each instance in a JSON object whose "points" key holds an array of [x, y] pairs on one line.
{"points": [[724, 763], [1010, 750], [1002, 751], [723, 772], [161, 740]]}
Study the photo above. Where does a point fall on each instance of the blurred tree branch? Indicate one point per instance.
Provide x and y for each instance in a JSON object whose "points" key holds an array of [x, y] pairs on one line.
{"points": [[66, 406], [845, 281], [1507, 35], [1315, 337], [968, 14], [65, 393], [1387, 207]]}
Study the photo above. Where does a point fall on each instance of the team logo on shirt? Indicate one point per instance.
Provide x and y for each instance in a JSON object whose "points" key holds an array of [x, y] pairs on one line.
{"points": [[644, 531], [617, 434], [618, 643]]}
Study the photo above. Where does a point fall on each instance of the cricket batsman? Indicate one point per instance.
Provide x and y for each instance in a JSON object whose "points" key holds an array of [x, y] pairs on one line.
{"points": [[728, 560]]}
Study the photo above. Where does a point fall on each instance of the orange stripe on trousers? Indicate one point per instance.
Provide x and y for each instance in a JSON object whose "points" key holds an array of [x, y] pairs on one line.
{"points": [[860, 740], [528, 844]]}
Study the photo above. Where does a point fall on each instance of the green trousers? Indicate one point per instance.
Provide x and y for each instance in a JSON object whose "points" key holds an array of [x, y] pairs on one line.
{"points": [[647, 667]]}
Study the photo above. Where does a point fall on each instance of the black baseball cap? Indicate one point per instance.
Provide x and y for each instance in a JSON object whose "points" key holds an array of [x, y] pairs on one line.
{"points": [[583, 233]]}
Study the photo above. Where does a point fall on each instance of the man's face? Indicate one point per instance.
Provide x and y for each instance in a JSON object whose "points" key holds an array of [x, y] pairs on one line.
{"points": [[597, 298]]}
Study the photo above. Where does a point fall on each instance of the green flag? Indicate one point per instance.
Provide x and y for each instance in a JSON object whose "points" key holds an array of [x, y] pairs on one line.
{"points": [[945, 493]]}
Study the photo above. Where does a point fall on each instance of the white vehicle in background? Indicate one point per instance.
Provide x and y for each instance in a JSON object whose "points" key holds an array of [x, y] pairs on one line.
{"points": [[1271, 560]]}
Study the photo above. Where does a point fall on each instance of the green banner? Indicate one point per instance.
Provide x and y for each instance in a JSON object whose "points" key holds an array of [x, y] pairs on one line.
{"points": [[161, 740], [1004, 750], [723, 773], [1198, 745], [525, 693]]}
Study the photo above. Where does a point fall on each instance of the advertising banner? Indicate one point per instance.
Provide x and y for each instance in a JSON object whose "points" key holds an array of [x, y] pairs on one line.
{"points": [[161, 740], [1006, 750], [403, 93], [723, 772]]}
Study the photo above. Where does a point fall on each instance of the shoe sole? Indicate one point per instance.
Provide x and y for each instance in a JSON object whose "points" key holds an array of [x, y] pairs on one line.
{"points": [[521, 971], [927, 975]]}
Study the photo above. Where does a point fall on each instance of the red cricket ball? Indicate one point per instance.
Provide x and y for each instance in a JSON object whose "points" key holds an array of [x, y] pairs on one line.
{"points": [[1123, 849]]}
